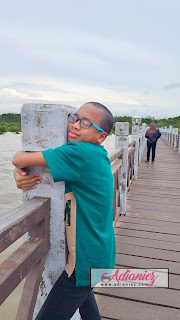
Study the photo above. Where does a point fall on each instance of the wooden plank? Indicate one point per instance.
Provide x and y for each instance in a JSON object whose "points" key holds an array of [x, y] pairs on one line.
{"points": [[116, 165], [132, 198], [124, 309], [16, 223], [19, 263], [150, 222], [147, 235], [132, 143], [116, 154], [155, 212], [147, 252], [30, 291], [163, 184], [131, 205], [153, 192], [152, 217], [148, 227], [156, 296], [143, 262], [158, 244]]}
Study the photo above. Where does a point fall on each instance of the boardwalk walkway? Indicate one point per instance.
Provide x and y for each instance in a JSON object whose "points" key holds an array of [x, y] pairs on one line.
{"points": [[149, 237]]}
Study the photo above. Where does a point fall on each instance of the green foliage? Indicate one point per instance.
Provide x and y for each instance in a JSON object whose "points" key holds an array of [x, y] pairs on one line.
{"points": [[10, 122], [175, 122]]}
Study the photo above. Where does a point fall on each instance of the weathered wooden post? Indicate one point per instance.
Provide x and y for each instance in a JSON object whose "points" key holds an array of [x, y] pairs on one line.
{"points": [[121, 140], [135, 136], [143, 137], [171, 135], [175, 137], [44, 127], [178, 143], [162, 133], [166, 134], [140, 143]]}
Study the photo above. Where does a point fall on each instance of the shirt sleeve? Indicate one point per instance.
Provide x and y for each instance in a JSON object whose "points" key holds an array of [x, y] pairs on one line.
{"points": [[65, 162]]}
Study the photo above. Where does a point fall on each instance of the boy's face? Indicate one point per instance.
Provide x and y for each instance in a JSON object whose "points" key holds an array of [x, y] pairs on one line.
{"points": [[92, 135]]}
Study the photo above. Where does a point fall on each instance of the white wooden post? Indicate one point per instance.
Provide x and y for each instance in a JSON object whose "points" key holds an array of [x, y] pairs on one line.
{"points": [[169, 134], [144, 139], [162, 133], [135, 136], [175, 137], [44, 127], [140, 144], [121, 140], [179, 145], [166, 134]]}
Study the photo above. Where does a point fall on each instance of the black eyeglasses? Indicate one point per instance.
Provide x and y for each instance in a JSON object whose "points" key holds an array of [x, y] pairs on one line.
{"points": [[84, 123]]}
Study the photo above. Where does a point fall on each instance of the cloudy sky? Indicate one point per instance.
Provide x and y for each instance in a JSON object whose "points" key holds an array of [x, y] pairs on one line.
{"points": [[124, 54]]}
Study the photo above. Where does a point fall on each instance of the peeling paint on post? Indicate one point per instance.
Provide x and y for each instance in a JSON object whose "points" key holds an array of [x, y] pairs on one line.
{"points": [[135, 136], [44, 127], [121, 140]]}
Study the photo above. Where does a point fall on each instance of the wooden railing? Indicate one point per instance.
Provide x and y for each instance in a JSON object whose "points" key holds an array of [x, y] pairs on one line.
{"points": [[28, 260], [116, 162], [170, 135]]}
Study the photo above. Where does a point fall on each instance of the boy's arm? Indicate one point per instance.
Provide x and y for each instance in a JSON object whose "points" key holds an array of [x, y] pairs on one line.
{"points": [[23, 159]]}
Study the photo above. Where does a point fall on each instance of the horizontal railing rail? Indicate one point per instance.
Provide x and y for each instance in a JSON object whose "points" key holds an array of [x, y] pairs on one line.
{"points": [[28, 260]]}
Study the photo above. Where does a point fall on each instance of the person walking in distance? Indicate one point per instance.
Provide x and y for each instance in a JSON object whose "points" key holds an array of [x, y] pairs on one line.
{"points": [[152, 135]]}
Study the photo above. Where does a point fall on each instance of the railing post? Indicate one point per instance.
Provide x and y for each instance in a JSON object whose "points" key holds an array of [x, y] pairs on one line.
{"points": [[166, 134], [169, 135], [140, 144], [135, 136], [121, 140], [44, 127], [143, 137], [175, 137]]}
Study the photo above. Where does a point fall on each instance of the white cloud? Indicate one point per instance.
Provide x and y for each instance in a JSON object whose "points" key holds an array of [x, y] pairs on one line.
{"points": [[12, 94]]}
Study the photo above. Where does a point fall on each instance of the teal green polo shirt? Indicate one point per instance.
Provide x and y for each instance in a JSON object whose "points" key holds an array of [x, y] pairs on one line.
{"points": [[86, 170]]}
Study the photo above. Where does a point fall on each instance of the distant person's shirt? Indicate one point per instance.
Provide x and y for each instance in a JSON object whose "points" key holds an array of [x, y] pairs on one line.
{"points": [[86, 170], [155, 137]]}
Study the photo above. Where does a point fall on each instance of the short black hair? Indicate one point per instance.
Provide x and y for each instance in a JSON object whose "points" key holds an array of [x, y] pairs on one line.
{"points": [[107, 119]]}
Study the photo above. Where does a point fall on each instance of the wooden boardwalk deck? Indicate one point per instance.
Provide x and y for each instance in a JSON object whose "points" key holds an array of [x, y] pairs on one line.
{"points": [[149, 237]]}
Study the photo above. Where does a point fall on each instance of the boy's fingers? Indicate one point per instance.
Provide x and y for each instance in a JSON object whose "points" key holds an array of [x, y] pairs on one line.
{"points": [[30, 178], [30, 183], [28, 188]]}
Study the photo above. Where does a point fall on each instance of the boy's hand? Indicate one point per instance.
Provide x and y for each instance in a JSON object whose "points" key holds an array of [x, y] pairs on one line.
{"points": [[26, 182]]}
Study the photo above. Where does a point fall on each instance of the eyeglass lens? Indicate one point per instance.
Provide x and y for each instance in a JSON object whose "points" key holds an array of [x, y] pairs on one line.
{"points": [[84, 123]]}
